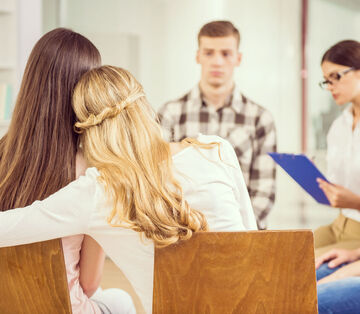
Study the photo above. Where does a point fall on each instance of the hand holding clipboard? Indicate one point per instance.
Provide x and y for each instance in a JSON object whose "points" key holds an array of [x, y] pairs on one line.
{"points": [[304, 172]]}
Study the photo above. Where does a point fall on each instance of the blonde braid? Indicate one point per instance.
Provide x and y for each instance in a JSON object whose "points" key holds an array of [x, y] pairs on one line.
{"points": [[108, 112]]}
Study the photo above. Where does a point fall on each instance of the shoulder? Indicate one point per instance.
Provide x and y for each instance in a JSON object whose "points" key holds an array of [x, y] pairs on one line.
{"points": [[342, 118], [337, 126], [225, 145], [337, 123], [84, 188], [254, 109], [207, 139]]}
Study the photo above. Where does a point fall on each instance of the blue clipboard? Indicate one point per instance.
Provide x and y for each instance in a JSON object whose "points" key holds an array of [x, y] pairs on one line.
{"points": [[304, 172]]}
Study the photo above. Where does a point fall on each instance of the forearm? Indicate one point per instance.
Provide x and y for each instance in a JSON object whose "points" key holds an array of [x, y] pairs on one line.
{"points": [[28, 225], [62, 214], [339, 196], [354, 202], [92, 259]]}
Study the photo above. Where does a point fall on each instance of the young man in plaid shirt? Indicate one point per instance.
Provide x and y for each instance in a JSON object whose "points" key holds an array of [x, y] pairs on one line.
{"points": [[215, 106]]}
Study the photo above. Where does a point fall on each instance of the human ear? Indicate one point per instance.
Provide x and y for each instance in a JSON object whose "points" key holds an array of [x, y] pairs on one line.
{"points": [[357, 73], [238, 58], [197, 56]]}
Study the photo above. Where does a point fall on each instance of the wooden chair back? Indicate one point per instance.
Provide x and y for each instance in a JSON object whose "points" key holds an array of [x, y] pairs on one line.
{"points": [[237, 272], [33, 279]]}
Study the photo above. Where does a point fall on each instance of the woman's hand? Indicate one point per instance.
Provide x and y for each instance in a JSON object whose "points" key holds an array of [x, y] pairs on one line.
{"points": [[336, 257], [339, 196]]}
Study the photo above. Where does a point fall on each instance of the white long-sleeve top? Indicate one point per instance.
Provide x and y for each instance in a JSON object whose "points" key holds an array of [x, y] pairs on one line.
{"points": [[211, 183], [343, 156]]}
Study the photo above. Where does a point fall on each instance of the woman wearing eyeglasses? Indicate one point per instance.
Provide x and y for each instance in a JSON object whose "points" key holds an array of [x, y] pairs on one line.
{"points": [[338, 244], [341, 69]]}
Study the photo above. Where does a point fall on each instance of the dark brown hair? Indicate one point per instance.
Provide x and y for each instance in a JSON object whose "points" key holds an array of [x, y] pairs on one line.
{"points": [[346, 52], [39, 150], [219, 29]]}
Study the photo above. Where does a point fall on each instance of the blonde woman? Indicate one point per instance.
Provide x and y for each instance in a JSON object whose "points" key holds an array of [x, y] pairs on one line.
{"points": [[137, 183]]}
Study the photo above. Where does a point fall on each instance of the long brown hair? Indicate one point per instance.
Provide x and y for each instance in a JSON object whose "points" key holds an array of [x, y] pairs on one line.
{"points": [[39, 150], [122, 139]]}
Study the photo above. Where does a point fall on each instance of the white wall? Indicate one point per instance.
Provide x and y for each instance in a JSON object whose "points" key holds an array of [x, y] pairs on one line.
{"points": [[183, 20], [270, 70], [29, 30], [128, 34], [28, 16]]}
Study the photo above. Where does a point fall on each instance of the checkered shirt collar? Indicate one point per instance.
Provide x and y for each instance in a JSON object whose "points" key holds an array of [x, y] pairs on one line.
{"points": [[236, 100]]}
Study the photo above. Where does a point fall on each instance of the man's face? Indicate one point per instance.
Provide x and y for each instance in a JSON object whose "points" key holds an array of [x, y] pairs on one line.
{"points": [[218, 56]]}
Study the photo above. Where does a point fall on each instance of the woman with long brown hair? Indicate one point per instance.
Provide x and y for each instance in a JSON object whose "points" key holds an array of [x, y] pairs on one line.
{"points": [[39, 152], [137, 183]]}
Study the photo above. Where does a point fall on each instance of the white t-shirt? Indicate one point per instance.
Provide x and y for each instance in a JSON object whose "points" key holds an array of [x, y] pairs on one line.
{"points": [[343, 156], [211, 184]]}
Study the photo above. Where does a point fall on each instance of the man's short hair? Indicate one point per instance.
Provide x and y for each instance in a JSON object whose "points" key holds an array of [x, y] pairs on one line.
{"points": [[219, 29]]}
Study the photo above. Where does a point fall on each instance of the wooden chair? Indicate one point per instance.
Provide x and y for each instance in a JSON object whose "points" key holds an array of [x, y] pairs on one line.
{"points": [[237, 272], [33, 279]]}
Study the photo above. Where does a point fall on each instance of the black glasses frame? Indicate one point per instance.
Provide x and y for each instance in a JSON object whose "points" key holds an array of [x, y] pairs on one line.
{"points": [[336, 77]]}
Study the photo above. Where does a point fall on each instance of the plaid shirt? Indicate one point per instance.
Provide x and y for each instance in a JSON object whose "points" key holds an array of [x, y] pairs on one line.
{"points": [[247, 126]]}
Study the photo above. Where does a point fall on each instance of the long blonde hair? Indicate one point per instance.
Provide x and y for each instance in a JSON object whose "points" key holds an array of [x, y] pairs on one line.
{"points": [[120, 136]]}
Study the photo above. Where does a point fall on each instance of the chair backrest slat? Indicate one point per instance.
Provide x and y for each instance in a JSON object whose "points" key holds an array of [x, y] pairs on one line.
{"points": [[237, 272], [33, 279]]}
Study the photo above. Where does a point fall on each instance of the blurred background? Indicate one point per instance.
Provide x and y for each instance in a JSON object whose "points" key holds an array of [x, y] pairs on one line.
{"points": [[282, 42]]}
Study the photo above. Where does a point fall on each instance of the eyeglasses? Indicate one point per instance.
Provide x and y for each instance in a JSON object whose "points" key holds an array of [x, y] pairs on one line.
{"points": [[334, 77]]}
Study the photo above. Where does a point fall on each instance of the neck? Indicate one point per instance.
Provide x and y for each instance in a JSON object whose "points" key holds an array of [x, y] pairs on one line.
{"points": [[216, 96], [356, 108]]}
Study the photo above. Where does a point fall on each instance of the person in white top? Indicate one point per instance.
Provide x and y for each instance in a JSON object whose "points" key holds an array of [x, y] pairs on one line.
{"points": [[338, 244], [139, 190], [341, 69]]}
